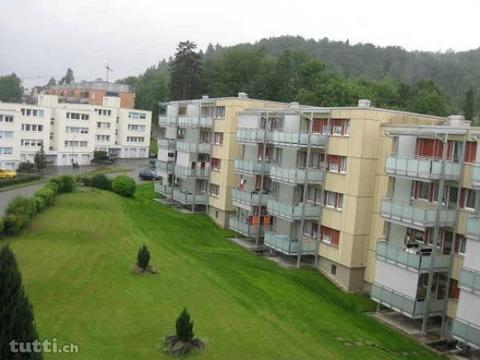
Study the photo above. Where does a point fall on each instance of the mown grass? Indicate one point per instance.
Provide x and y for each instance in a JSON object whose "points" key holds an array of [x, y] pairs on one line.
{"points": [[76, 261]]}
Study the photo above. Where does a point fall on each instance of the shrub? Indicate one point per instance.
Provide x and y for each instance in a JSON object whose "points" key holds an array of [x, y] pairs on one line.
{"points": [[26, 167], [100, 181], [65, 183], [143, 257], [52, 185], [1, 226], [47, 194], [24, 208], [18, 180], [12, 224], [124, 185], [84, 180], [184, 326], [40, 203], [100, 155]]}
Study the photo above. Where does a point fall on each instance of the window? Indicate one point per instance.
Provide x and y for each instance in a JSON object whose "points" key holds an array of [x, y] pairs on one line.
{"points": [[6, 118], [134, 127], [460, 244], [216, 164], [314, 194], [333, 200], [454, 291], [32, 127], [31, 143], [103, 137], [333, 269], [76, 130], [6, 150], [182, 110], [311, 228], [136, 115], [471, 151], [330, 236], [218, 138], [6, 134], [220, 113], [207, 111], [337, 164], [135, 139], [103, 125], [214, 189], [77, 116], [340, 127], [467, 199], [32, 112], [74, 144]]}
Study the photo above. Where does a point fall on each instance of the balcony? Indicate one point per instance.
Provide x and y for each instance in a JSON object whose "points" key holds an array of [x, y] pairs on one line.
{"points": [[200, 122], [164, 166], [412, 259], [421, 167], [404, 304], [415, 214], [251, 167], [164, 190], [251, 136], [187, 198], [168, 144], [242, 227], [296, 139], [473, 228], [288, 246], [466, 332], [296, 176], [165, 120], [246, 199], [476, 175], [192, 147], [189, 172], [470, 280], [290, 212]]}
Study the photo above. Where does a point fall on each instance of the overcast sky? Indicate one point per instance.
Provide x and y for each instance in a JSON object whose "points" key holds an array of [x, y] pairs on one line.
{"points": [[44, 37]]}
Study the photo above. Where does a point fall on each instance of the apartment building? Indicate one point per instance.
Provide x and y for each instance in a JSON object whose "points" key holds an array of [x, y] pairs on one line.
{"points": [[70, 133], [196, 152]]}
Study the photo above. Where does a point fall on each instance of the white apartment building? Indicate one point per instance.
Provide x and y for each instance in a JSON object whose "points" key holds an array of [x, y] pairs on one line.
{"points": [[71, 132]]}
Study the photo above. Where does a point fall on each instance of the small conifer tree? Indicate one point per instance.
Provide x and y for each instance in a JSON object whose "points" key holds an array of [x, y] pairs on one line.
{"points": [[184, 326]]}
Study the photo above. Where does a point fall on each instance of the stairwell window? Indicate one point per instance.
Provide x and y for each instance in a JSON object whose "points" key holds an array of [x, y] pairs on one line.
{"points": [[220, 112], [333, 200], [214, 190], [330, 236], [337, 164], [218, 138], [467, 199], [216, 164]]}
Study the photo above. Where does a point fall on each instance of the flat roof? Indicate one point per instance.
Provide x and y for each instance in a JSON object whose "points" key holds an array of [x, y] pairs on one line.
{"points": [[95, 85]]}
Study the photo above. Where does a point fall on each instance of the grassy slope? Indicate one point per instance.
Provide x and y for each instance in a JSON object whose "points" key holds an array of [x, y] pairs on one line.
{"points": [[76, 259]]}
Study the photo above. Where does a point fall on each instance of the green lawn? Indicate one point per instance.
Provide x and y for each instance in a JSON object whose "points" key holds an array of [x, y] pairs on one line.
{"points": [[76, 260]]}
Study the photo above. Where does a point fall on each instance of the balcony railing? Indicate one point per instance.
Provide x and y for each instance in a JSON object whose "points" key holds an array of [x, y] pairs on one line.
{"points": [[416, 214], [245, 135], [187, 198], [190, 121], [411, 259], [291, 212], [395, 300], [248, 198], [197, 172], [166, 144], [296, 176], [251, 167], [473, 228], [288, 246], [421, 167], [466, 332], [191, 147], [245, 229], [165, 190], [164, 166], [470, 279], [476, 175], [297, 139], [165, 120]]}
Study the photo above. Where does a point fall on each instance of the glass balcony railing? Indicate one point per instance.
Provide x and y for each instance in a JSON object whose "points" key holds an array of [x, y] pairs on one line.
{"points": [[165, 120], [251, 167], [288, 246], [190, 121], [245, 229], [466, 332], [416, 214], [473, 228], [249, 198], [164, 166], [470, 279], [166, 144], [413, 259], [165, 190], [245, 135], [421, 167], [291, 212], [476, 175], [297, 139], [191, 147], [187, 198], [395, 300], [197, 172], [296, 176]]}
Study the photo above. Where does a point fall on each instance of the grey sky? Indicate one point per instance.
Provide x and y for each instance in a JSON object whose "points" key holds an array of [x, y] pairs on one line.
{"points": [[44, 37]]}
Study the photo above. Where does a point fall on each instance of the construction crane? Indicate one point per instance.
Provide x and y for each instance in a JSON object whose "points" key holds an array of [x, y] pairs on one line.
{"points": [[109, 69]]}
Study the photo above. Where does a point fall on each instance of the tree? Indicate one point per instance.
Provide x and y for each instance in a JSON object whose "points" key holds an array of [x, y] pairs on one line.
{"points": [[51, 82], [185, 72], [40, 159], [16, 313], [68, 78], [10, 88], [427, 98], [469, 107], [184, 326], [143, 257]]}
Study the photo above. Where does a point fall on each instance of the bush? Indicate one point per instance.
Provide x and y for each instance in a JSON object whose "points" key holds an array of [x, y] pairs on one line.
{"points": [[47, 194], [1, 226], [143, 257], [12, 224], [100, 155], [26, 167], [184, 326], [124, 185], [100, 181], [24, 209], [40, 203], [65, 183], [18, 180], [52, 185]]}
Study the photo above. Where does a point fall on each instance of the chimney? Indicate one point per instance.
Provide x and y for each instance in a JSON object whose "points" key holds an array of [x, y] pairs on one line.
{"points": [[205, 97], [294, 105], [242, 95], [458, 121], [364, 103]]}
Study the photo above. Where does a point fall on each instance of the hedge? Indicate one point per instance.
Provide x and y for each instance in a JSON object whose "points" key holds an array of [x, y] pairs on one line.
{"points": [[18, 180]]}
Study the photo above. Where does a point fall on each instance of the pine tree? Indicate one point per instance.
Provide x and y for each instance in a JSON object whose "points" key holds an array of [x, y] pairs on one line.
{"points": [[16, 314], [69, 78], [39, 159], [184, 326], [143, 257], [185, 72], [469, 108]]}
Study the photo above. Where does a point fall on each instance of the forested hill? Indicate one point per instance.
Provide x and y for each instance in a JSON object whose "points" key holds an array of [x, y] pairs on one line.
{"points": [[454, 72]]}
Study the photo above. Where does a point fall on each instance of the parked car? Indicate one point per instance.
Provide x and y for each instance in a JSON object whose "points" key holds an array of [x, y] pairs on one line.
{"points": [[147, 175], [7, 174]]}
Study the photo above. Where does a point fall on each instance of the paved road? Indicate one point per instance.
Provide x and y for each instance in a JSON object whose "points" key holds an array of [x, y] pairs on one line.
{"points": [[6, 196]]}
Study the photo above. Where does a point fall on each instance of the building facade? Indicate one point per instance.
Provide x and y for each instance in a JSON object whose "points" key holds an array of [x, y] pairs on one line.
{"points": [[196, 152], [70, 133]]}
